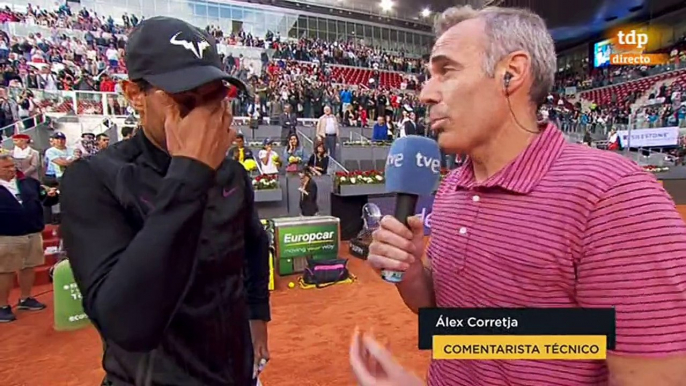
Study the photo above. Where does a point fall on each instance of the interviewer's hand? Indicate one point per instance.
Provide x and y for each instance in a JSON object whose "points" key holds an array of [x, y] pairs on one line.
{"points": [[204, 134], [373, 365], [394, 247]]}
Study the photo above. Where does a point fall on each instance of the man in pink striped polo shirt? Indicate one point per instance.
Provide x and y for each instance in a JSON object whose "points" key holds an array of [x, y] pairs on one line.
{"points": [[533, 221]]}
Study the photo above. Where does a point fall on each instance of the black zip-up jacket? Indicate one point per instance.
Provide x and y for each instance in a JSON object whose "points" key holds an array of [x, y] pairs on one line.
{"points": [[172, 262]]}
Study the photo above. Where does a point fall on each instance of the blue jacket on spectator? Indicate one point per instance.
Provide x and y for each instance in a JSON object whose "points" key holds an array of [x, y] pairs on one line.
{"points": [[19, 219], [346, 96], [380, 132]]}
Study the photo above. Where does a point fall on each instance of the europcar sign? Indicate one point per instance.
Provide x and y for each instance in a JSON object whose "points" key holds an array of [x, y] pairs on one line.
{"points": [[305, 240]]}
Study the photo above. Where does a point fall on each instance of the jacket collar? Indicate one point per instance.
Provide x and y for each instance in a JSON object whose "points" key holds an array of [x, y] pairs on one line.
{"points": [[151, 154]]}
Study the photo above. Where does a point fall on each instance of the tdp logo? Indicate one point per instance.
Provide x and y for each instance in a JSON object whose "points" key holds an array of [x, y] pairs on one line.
{"points": [[632, 38]]}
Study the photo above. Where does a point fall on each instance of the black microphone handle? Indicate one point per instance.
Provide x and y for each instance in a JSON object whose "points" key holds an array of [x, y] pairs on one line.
{"points": [[405, 205]]}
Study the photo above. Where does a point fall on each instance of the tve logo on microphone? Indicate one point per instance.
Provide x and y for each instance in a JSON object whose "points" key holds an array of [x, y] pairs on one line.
{"points": [[423, 161], [413, 166]]}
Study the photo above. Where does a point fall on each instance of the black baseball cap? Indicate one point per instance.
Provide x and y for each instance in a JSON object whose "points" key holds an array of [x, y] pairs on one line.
{"points": [[174, 56], [58, 135]]}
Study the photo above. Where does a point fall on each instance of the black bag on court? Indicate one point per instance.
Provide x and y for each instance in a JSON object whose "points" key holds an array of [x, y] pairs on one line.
{"points": [[324, 273]]}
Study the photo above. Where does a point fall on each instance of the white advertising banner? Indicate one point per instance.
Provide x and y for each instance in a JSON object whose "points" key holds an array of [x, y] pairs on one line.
{"points": [[662, 136]]}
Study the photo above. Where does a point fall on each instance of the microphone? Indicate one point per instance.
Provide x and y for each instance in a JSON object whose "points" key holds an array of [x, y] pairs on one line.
{"points": [[413, 168]]}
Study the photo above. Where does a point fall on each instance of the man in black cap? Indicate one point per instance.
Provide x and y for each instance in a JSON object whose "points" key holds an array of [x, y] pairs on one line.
{"points": [[168, 251]]}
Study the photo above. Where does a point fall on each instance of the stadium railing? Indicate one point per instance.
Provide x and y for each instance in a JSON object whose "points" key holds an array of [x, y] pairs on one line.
{"points": [[21, 125], [96, 103], [308, 144]]}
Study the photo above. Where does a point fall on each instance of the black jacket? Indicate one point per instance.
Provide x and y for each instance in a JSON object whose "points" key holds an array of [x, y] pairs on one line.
{"points": [[410, 128], [308, 202], [172, 262], [20, 219]]}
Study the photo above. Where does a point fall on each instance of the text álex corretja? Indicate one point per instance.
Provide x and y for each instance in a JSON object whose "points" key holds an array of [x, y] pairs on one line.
{"points": [[474, 322]]}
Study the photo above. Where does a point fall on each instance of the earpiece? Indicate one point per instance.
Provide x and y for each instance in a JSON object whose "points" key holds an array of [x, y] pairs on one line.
{"points": [[506, 82], [507, 78]]}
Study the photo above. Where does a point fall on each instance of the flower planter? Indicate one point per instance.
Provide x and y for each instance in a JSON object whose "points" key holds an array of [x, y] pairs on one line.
{"points": [[268, 195], [361, 189]]}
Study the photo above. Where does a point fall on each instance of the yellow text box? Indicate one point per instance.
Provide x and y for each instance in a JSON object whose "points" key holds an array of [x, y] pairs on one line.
{"points": [[546, 347]]}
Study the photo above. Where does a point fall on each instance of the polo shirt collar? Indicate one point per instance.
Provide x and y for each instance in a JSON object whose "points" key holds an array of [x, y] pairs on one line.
{"points": [[525, 171]]}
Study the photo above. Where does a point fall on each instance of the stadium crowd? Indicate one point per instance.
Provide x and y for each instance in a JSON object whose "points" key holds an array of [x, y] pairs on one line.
{"points": [[299, 74]]}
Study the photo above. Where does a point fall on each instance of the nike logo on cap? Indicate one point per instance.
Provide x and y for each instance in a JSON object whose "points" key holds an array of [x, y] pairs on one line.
{"points": [[226, 193], [190, 46]]}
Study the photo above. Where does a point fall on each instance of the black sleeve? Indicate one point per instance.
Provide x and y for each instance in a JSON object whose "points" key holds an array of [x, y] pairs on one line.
{"points": [[133, 281], [325, 164], [310, 162], [256, 260]]}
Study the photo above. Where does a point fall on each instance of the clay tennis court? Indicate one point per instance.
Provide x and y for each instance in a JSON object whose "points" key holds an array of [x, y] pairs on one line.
{"points": [[308, 336]]}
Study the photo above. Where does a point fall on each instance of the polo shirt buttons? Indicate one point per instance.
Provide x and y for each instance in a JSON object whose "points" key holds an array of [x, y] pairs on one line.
{"points": [[463, 231], [476, 198]]}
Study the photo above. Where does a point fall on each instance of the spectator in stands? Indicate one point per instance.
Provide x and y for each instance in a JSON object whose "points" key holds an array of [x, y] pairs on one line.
{"points": [[102, 141], [380, 129], [57, 158], [406, 126], [328, 131], [21, 243], [87, 144], [308, 194], [47, 80], [349, 117], [269, 159], [613, 140], [239, 151], [346, 98], [27, 108], [294, 154], [25, 157], [256, 111], [319, 160], [289, 123], [9, 113], [127, 132]]}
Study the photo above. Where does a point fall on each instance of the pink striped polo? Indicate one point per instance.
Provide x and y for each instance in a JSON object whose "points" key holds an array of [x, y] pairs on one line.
{"points": [[562, 225]]}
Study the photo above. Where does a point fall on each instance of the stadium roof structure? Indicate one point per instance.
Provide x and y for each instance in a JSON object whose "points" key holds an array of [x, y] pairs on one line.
{"points": [[573, 22]]}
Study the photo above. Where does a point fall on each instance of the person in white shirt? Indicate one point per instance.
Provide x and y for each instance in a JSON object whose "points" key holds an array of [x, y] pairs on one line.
{"points": [[112, 55], [256, 111], [406, 118], [46, 79], [268, 158], [328, 131]]}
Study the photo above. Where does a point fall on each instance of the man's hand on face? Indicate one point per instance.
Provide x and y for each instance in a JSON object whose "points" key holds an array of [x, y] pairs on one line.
{"points": [[204, 134]]}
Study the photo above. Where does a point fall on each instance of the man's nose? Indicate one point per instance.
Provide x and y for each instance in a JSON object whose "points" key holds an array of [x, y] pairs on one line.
{"points": [[430, 94]]}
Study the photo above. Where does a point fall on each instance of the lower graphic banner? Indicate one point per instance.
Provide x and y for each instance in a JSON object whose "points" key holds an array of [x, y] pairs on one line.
{"points": [[509, 347], [517, 333]]}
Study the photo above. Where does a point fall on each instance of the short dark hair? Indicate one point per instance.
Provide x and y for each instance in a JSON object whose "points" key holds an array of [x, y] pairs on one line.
{"points": [[126, 131], [101, 136], [240, 136]]}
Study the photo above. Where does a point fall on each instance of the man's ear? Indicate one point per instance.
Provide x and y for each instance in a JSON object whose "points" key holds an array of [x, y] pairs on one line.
{"points": [[134, 95]]}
